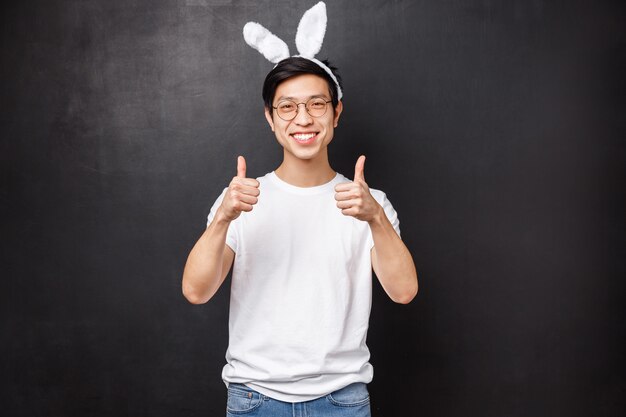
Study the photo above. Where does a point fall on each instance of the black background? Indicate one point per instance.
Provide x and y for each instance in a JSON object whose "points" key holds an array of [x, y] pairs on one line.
{"points": [[495, 128]]}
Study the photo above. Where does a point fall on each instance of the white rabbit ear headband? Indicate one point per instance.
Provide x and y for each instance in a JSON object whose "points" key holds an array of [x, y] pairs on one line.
{"points": [[309, 38]]}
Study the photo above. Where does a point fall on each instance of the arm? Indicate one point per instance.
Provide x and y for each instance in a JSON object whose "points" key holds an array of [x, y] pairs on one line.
{"points": [[210, 259], [392, 261], [208, 262]]}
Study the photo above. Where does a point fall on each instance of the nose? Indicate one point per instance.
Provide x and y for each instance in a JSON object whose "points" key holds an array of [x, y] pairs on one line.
{"points": [[302, 117]]}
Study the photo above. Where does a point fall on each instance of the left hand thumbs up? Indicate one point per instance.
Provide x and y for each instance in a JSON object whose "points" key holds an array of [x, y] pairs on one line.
{"points": [[354, 198], [358, 169]]}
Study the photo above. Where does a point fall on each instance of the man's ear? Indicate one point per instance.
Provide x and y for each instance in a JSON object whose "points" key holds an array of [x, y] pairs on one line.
{"points": [[268, 117], [338, 111]]}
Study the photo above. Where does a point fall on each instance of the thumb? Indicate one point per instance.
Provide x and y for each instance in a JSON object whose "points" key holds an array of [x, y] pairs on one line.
{"points": [[358, 169], [241, 167]]}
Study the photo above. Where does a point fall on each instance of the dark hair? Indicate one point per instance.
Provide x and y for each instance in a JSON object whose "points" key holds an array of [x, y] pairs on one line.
{"points": [[293, 66]]}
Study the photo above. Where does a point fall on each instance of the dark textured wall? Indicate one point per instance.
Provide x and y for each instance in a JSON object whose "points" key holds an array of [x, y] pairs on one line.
{"points": [[495, 128]]}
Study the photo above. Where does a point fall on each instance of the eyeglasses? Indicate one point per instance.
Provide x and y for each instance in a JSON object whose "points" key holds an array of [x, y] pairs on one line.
{"points": [[288, 110]]}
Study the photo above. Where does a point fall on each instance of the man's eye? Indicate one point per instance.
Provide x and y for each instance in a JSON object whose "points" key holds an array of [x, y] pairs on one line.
{"points": [[286, 107], [317, 104]]}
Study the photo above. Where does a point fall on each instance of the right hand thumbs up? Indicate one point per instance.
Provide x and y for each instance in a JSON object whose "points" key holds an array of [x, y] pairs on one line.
{"points": [[241, 167], [242, 193]]}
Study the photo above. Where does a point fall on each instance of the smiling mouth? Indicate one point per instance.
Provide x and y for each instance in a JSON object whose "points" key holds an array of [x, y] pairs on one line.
{"points": [[304, 138]]}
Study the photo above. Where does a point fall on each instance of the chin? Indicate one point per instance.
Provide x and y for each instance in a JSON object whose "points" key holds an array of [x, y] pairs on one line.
{"points": [[304, 155]]}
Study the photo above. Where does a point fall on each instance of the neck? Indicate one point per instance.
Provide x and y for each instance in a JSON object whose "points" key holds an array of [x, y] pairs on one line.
{"points": [[305, 172]]}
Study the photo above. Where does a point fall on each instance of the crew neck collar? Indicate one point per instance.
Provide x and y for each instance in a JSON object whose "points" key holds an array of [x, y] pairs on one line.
{"points": [[318, 189]]}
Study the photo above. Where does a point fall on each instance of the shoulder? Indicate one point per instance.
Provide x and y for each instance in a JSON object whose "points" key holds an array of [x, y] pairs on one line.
{"points": [[265, 179], [379, 196]]}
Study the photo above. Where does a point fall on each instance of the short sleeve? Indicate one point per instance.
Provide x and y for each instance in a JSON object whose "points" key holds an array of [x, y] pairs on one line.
{"points": [[231, 235], [390, 212]]}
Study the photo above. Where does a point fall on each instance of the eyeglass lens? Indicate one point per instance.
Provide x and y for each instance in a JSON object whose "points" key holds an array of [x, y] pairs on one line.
{"points": [[288, 109]]}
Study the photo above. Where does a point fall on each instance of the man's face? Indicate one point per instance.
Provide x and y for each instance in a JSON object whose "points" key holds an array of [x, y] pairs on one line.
{"points": [[294, 135]]}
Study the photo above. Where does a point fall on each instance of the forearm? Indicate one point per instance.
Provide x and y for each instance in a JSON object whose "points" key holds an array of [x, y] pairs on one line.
{"points": [[394, 264], [203, 273]]}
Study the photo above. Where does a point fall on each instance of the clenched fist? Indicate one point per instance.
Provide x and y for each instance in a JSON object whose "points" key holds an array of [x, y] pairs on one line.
{"points": [[354, 198], [241, 195]]}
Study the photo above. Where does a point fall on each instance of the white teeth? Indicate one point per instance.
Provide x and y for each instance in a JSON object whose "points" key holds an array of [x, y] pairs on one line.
{"points": [[304, 136]]}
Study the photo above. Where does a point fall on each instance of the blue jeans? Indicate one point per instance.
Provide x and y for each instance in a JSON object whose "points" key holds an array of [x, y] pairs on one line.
{"points": [[350, 401]]}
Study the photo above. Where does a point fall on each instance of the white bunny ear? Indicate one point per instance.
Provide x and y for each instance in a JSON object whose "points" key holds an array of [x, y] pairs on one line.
{"points": [[311, 30], [271, 46]]}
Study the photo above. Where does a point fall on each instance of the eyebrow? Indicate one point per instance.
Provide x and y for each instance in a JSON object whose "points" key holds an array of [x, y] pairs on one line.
{"points": [[307, 98]]}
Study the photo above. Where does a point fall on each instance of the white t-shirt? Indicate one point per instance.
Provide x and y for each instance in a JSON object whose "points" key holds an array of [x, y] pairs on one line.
{"points": [[301, 292]]}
